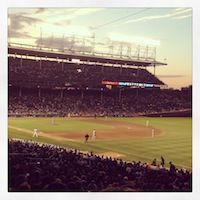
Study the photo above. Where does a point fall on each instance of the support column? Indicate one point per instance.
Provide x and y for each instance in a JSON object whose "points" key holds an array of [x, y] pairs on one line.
{"points": [[40, 63], [121, 50], [102, 69], [93, 52], [39, 92], [101, 95], [138, 52], [82, 94], [20, 92], [138, 71], [62, 66], [147, 52], [137, 92], [21, 62], [120, 93], [61, 93]]}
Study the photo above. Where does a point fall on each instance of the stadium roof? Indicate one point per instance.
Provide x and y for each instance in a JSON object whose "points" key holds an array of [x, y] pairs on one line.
{"points": [[26, 50]]}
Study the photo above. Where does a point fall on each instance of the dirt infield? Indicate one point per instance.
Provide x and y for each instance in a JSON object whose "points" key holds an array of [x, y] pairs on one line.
{"points": [[119, 130], [111, 154]]}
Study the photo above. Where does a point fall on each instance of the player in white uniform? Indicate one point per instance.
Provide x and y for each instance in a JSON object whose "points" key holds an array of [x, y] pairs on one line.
{"points": [[147, 123], [35, 132], [94, 134]]}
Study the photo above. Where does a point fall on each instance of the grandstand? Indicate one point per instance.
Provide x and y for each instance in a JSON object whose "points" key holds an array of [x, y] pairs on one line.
{"points": [[40, 71], [62, 69], [87, 86]]}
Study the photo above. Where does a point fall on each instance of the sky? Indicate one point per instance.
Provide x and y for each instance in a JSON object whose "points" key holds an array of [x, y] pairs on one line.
{"points": [[169, 30]]}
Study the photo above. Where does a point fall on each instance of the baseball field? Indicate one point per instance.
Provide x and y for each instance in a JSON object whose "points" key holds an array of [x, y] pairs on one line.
{"points": [[125, 138]]}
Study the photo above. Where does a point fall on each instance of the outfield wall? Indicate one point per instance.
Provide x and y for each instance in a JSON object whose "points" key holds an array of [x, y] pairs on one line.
{"points": [[176, 113], [181, 113]]}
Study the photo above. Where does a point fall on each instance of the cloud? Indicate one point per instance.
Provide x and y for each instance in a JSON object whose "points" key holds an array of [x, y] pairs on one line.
{"points": [[65, 16], [171, 14], [170, 76], [115, 36], [183, 17], [40, 10], [27, 22], [17, 23], [178, 9], [86, 11], [22, 18], [62, 23], [18, 34]]}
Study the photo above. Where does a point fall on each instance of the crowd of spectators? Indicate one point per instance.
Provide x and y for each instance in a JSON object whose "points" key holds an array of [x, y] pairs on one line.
{"points": [[41, 167], [98, 103], [49, 74], [39, 74]]}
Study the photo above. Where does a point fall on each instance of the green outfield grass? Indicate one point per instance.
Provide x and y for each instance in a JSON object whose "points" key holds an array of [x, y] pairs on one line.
{"points": [[174, 144]]}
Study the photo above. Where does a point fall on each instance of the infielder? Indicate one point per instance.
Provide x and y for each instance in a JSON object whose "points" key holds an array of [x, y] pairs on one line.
{"points": [[35, 133], [147, 123]]}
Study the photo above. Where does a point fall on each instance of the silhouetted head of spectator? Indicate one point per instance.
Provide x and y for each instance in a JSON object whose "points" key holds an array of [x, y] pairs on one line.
{"points": [[57, 185], [25, 186]]}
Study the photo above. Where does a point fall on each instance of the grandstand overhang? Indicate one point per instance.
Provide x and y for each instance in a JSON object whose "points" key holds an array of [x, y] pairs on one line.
{"points": [[83, 57]]}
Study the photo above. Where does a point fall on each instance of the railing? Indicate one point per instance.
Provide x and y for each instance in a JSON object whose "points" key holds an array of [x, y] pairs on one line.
{"points": [[143, 54]]}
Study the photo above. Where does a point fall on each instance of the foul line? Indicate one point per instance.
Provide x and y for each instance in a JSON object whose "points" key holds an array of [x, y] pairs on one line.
{"points": [[40, 132]]}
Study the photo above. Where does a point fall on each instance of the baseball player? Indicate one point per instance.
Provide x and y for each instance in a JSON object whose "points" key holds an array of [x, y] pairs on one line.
{"points": [[86, 138], [35, 132], [94, 134], [147, 123]]}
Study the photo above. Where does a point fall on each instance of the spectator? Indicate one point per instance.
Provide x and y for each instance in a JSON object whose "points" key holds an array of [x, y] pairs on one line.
{"points": [[154, 162], [37, 167], [172, 168], [162, 163]]}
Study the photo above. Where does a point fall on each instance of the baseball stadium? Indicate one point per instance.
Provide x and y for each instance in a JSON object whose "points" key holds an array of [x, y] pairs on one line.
{"points": [[86, 120]]}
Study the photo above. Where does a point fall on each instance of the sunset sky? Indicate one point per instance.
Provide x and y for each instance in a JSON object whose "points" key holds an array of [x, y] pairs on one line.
{"points": [[169, 29]]}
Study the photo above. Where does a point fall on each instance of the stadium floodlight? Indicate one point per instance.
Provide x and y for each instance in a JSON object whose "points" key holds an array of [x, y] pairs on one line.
{"points": [[133, 39]]}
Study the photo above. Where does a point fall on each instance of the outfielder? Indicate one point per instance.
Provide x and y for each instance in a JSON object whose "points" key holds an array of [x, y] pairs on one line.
{"points": [[94, 134]]}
